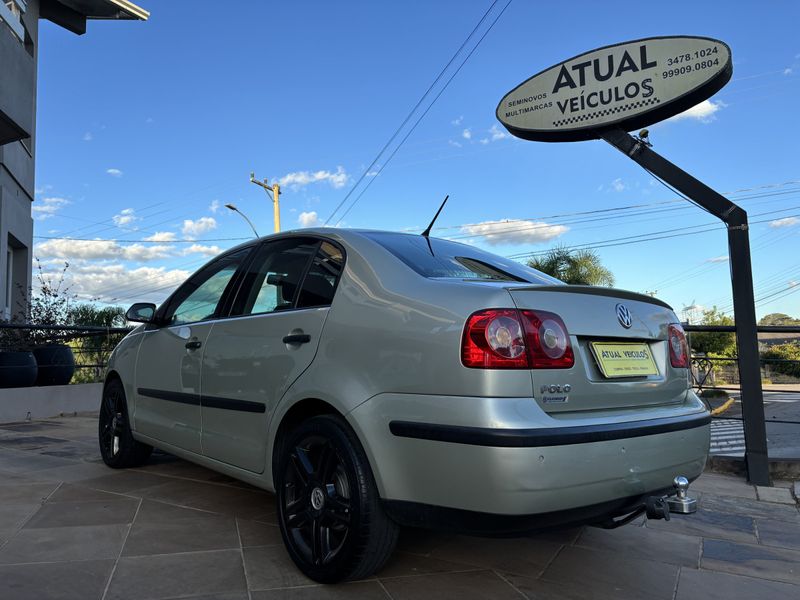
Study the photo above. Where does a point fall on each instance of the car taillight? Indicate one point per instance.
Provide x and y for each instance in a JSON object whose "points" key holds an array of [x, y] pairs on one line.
{"points": [[493, 339], [548, 340], [507, 338], [678, 348]]}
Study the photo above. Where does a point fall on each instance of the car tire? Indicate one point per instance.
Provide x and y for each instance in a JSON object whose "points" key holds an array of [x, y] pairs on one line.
{"points": [[329, 511], [117, 446]]}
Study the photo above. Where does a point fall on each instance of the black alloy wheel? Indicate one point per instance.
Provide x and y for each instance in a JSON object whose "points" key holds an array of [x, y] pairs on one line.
{"points": [[329, 511], [117, 446]]}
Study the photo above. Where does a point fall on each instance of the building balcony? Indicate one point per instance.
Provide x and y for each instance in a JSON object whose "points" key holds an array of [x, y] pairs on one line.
{"points": [[17, 87]]}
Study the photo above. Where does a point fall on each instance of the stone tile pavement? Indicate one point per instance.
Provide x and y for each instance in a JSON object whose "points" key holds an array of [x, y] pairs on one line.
{"points": [[70, 528]]}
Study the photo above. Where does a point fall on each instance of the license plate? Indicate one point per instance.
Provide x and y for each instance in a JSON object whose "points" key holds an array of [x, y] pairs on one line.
{"points": [[624, 360]]}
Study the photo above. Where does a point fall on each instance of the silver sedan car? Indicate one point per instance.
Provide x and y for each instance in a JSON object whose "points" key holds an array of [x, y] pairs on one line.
{"points": [[375, 379]]}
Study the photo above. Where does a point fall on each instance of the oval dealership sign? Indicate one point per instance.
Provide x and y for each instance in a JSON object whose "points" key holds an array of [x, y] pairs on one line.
{"points": [[628, 85]]}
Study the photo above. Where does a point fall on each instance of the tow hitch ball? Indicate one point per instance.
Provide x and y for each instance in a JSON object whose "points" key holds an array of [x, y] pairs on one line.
{"points": [[659, 508]]}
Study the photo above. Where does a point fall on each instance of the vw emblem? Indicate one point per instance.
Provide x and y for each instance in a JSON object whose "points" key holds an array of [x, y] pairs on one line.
{"points": [[624, 316], [317, 498]]}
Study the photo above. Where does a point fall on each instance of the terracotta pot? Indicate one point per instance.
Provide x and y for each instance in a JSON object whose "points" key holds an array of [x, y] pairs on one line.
{"points": [[56, 364], [17, 369]]}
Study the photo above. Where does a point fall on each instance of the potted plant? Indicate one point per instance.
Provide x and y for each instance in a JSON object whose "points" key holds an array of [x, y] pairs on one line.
{"points": [[17, 366]]}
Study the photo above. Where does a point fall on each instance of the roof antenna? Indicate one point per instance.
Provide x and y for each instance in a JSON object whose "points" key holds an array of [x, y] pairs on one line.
{"points": [[427, 232]]}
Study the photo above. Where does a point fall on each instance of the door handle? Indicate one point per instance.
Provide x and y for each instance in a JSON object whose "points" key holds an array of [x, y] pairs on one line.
{"points": [[193, 345], [297, 338]]}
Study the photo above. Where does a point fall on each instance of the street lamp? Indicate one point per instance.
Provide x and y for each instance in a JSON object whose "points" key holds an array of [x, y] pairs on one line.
{"points": [[244, 216]]}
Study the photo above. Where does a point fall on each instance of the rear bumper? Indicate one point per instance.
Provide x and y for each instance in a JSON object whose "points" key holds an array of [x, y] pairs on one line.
{"points": [[505, 457]]}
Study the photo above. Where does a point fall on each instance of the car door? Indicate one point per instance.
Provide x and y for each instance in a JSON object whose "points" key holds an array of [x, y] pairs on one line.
{"points": [[268, 340], [167, 380]]}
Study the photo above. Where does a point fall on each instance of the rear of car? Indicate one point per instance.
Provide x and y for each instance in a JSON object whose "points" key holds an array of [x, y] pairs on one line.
{"points": [[527, 403]]}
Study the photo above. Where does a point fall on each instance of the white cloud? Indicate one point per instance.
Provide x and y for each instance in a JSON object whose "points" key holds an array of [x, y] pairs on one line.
{"points": [[48, 208], [785, 222], [201, 249], [100, 250], [515, 231], [161, 236], [192, 228], [484, 141], [497, 133], [466, 134], [788, 71], [116, 282], [114, 172], [87, 137], [126, 217], [794, 283], [458, 121], [214, 206], [618, 185], [717, 259], [309, 219], [704, 112], [455, 144], [300, 179]]}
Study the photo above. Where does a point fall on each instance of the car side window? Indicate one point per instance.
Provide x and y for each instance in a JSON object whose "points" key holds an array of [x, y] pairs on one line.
{"points": [[320, 282], [198, 298], [272, 281]]}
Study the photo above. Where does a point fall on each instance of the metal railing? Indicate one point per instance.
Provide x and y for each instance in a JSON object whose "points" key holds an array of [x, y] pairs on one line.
{"points": [[91, 345]]}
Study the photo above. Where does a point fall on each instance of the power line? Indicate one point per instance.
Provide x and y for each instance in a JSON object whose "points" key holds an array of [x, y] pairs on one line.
{"points": [[447, 83], [145, 241]]}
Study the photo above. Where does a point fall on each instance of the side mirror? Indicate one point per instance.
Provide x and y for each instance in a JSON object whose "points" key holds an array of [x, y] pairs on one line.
{"points": [[141, 312]]}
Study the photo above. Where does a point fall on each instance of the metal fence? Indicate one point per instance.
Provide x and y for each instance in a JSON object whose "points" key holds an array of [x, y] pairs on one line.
{"points": [[776, 408], [91, 345]]}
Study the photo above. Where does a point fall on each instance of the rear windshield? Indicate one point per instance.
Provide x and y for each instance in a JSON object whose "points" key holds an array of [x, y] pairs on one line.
{"points": [[441, 259]]}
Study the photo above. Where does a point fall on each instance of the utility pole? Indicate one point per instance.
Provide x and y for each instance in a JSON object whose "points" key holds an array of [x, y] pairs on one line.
{"points": [[275, 191]]}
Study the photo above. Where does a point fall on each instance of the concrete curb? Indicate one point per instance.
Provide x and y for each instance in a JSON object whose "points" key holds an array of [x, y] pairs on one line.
{"points": [[779, 468], [24, 404]]}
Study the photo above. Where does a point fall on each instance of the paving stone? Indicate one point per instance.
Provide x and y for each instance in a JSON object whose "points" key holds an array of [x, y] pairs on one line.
{"points": [[358, 590], [223, 596], [708, 523], [165, 529], [526, 556], [452, 586], [16, 461], [709, 585], [270, 567], [72, 472], [611, 573], [26, 493], [775, 564], [71, 514], [252, 533], [727, 485], [128, 484], [778, 533], [796, 490], [775, 494], [170, 575], [640, 542], [751, 508], [580, 588], [421, 541], [12, 516], [221, 499], [84, 580], [64, 544], [70, 492]]}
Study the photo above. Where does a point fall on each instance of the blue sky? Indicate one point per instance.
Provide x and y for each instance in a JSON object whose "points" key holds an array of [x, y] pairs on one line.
{"points": [[145, 131]]}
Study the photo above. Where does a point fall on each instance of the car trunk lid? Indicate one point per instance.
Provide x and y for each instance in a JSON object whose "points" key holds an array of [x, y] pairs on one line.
{"points": [[619, 340]]}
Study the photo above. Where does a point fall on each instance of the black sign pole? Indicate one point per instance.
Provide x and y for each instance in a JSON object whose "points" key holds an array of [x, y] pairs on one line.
{"points": [[735, 218]]}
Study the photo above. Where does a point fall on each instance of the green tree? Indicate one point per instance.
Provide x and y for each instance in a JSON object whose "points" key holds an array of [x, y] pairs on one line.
{"points": [[790, 351], [580, 267], [94, 349], [778, 319], [720, 344]]}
